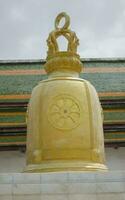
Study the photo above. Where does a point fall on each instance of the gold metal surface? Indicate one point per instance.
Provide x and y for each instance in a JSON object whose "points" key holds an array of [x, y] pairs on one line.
{"points": [[64, 123]]}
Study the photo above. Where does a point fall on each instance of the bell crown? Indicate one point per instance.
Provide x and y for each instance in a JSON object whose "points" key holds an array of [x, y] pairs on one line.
{"points": [[62, 60]]}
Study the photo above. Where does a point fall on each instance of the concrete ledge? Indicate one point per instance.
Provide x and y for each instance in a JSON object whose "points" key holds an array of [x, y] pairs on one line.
{"points": [[60, 186]]}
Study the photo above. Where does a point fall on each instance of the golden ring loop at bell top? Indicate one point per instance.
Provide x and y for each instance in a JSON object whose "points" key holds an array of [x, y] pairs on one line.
{"points": [[58, 19]]}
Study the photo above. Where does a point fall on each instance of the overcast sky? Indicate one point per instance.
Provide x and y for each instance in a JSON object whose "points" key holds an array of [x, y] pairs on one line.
{"points": [[25, 25]]}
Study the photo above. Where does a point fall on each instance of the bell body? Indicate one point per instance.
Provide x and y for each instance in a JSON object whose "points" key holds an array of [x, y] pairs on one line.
{"points": [[64, 130]]}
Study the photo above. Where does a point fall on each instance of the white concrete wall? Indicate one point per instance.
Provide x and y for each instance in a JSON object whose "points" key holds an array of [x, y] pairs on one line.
{"points": [[63, 186], [14, 161], [115, 158]]}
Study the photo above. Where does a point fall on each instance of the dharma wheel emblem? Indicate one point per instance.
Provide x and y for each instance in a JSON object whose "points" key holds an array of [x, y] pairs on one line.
{"points": [[64, 112]]}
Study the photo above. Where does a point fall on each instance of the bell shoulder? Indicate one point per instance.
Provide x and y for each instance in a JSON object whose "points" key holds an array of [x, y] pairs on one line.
{"points": [[90, 86], [94, 96], [34, 99], [37, 89]]}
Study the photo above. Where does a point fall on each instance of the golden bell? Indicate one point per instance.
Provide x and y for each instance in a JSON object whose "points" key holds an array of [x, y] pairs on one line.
{"points": [[64, 125]]}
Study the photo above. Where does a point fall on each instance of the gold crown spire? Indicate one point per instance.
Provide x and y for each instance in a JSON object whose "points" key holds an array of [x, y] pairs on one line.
{"points": [[62, 60]]}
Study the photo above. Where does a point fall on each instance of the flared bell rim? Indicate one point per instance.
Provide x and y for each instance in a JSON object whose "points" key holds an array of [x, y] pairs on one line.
{"points": [[70, 166]]}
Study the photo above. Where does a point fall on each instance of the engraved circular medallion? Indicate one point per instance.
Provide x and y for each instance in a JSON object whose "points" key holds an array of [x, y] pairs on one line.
{"points": [[64, 112]]}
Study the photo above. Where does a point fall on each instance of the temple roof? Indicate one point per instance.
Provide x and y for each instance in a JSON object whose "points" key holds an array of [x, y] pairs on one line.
{"points": [[113, 59], [18, 77]]}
